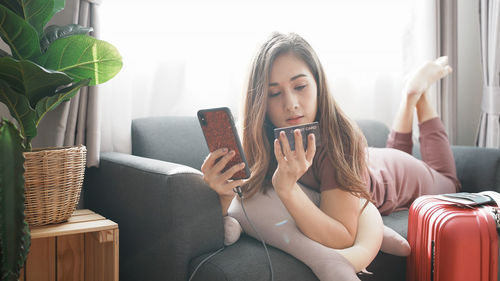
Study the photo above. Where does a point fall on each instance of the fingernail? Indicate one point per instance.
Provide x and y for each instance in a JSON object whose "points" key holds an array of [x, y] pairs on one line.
{"points": [[242, 164], [224, 150], [232, 152], [297, 132]]}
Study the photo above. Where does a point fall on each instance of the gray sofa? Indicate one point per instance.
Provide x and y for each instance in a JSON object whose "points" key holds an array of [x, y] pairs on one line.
{"points": [[169, 219]]}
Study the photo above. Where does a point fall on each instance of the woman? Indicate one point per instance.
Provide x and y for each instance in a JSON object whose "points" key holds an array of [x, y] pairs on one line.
{"points": [[287, 86]]}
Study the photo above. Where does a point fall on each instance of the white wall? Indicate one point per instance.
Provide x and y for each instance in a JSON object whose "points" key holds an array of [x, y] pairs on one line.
{"points": [[469, 71]]}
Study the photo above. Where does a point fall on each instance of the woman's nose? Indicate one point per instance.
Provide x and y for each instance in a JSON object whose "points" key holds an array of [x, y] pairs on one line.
{"points": [[291, 101]]}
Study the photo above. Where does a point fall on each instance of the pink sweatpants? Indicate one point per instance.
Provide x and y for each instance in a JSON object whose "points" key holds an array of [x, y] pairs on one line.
{"points": [[398, 178]]}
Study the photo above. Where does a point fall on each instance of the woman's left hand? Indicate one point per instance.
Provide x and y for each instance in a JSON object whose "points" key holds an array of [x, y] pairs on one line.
{"points": [[292, 164]]}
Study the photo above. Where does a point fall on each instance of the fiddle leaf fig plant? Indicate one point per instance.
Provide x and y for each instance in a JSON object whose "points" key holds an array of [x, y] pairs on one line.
{"points": [[47, 63], [44, 67]]}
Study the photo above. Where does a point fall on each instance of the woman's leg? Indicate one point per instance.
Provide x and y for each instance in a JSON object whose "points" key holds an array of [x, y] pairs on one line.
{"points": [[435, 147], [414, 96], [434, 144], [401, 133], [415, 89]]}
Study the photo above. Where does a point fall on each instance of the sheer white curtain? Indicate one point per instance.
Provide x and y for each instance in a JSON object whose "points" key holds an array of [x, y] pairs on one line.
{"points": [[181, 56]]}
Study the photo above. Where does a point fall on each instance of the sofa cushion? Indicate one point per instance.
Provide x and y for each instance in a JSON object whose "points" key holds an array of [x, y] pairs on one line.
{"points": [[246, 260], [398, 221]]}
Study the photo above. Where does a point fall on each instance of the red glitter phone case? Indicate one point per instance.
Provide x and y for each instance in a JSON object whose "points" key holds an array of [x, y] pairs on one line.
{"points": [[218, 128]]}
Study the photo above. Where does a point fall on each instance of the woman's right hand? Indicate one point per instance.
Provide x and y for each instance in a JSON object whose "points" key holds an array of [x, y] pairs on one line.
{"points": [[220, 181]]}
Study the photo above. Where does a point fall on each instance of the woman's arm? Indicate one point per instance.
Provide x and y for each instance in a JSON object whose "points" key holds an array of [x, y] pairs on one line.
{"points": [[217, 180], [225, 202], [334, 224]]}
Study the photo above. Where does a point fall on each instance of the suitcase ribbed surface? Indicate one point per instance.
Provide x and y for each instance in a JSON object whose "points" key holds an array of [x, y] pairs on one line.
{"points": [[451, 242]]}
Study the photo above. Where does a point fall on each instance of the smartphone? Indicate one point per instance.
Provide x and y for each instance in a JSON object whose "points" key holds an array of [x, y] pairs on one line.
{"points": [[305, 130], [219, 130]]}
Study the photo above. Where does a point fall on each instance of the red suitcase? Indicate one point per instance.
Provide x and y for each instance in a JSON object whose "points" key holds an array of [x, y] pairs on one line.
{"points": [[452, 240]]}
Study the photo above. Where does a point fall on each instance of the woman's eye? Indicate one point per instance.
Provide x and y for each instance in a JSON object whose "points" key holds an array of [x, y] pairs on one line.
{"points": [[274, 94], [298, 88]]}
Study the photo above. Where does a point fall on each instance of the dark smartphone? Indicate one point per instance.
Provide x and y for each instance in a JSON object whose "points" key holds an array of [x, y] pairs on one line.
{"points": [[219, 130], [305, 130]]}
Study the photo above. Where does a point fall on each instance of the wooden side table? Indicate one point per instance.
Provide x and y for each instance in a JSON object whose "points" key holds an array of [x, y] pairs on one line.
{"points": [[85, 248]]}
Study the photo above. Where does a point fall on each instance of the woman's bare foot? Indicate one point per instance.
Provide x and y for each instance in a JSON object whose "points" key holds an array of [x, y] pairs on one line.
{"points": [[424, 77], [414, 94]]}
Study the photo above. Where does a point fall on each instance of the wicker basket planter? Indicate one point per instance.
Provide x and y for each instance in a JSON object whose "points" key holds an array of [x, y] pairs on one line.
{"points": [[53, 181]]}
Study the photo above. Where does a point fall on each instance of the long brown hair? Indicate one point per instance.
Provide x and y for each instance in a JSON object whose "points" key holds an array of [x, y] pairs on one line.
{"points": [[344, 141]]}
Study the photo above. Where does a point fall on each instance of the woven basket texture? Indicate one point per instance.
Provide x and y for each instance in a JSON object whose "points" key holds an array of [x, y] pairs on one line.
{"points": [[53, 181]]}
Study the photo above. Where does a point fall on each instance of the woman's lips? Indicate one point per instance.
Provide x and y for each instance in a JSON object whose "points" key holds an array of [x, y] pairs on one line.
{"points": [[294, 120]]}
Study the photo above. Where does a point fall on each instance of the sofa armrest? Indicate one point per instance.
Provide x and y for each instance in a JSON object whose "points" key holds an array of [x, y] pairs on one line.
{"points": [[478, 168], [166, 214]]}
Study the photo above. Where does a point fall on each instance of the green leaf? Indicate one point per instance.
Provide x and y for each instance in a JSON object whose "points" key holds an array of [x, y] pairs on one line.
{"points": [[50, 103], [14, 233], [30, 79], [13, 5], [20, 109], [82, 57], [38, 13], [19, 35], [54, 32]]}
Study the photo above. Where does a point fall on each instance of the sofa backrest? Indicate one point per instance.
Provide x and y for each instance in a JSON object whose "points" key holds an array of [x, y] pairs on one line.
{"points": [[180, 139], [170, 138], [375, 132]]}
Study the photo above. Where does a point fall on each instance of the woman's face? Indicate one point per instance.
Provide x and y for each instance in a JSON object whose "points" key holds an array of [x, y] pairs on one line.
{"points": [[292, 98]]}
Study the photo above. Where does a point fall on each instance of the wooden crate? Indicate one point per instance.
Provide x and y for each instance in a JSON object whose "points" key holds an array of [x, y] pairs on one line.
{"points": [[85, 248]]}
